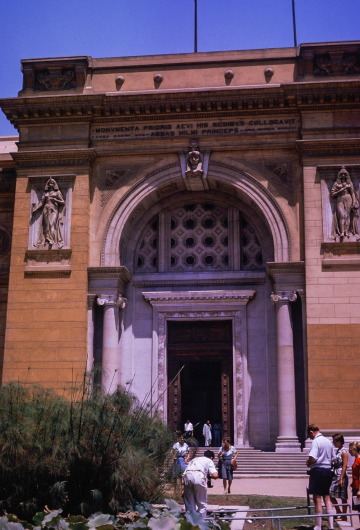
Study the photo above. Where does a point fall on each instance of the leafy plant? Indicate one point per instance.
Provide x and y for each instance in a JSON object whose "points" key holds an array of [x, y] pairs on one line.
{"points": [[90, 453], [166, 517]]}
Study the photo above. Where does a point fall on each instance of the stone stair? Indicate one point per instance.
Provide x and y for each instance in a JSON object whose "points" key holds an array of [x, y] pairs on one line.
{"points": [[253, 462]]}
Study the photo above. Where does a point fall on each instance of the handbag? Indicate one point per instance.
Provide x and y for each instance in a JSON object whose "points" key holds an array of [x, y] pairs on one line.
{"points": [[234, 465]]}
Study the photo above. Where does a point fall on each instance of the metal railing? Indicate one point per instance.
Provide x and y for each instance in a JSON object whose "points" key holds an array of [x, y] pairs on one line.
{"points": [[232, 514]]}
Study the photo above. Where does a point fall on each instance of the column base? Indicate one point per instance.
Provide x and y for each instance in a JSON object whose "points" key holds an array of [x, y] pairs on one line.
{"points": [[287, 444]]}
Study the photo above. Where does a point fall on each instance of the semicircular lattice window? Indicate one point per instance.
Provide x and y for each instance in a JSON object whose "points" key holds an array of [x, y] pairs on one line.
{"points": [[199, 237]]}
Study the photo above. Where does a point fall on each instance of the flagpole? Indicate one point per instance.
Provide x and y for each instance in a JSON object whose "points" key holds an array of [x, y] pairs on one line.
{"points": [[195, 26], [294, 22]]}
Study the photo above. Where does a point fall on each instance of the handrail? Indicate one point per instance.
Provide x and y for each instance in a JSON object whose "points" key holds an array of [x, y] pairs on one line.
{"points": [[272, 517]]}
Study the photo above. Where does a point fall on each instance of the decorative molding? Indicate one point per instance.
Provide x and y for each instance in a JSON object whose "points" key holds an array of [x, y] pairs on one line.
{"points": [[53, 74], [67, 157], [111, 300], [239, 352], [45, 262], [325, 148], [202, 279], [276, 269], [242, 297], [284, 296], [111, 279], [345, 255]]}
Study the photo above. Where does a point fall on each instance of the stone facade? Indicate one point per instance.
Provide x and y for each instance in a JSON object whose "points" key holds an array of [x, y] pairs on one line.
{"points": [[187, 226]]}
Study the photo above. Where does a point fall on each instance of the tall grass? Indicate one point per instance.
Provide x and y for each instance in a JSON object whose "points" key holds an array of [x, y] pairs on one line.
{"points": [[89, 453]]}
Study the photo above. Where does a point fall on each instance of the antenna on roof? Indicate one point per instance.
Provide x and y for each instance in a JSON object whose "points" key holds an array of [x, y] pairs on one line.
{"points": [[195, 26], [294, 22]]}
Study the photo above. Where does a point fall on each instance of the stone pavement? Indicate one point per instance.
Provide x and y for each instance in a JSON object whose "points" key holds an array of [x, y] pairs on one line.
{"points": [[277, 486]]}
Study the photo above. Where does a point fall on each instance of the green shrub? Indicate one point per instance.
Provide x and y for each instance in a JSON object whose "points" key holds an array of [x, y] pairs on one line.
{"points": [[85, 454]]}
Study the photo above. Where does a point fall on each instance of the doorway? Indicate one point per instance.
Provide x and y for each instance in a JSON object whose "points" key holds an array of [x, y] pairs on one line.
{"points": [[199, 355]]}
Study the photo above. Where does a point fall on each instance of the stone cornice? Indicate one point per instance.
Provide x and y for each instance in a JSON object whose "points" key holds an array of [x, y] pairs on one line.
{"points": [[287, 267], [199, 296], [66, 157], [290, 274], [187, 103], [319, 147], [101, 279]]}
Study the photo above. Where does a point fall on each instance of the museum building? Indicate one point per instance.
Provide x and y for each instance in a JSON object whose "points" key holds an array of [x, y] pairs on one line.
{"points": [[187, 226]]}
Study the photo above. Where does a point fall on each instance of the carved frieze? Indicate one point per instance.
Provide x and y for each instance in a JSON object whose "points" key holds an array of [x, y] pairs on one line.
{"points": [[329, 64], [46, 75], [329, 60], [55, 80]]}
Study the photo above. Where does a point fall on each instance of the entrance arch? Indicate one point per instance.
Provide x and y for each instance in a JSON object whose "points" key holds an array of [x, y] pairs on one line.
{"points": [[163, 184]]}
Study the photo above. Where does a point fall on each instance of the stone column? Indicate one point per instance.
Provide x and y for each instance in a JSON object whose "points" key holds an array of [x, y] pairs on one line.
{"points": [[110, 365], [287, 440], [90, 335]]}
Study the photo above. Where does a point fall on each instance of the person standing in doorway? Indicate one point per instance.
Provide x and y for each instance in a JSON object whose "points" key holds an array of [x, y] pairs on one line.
{"points": [[188, 429], [207, 434], [217, 434], [320, 461]]}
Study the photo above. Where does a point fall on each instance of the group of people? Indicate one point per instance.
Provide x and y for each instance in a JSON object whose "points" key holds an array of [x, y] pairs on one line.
{"points": [[327, 468], [210, 433], [328, 480], [196, 472]]}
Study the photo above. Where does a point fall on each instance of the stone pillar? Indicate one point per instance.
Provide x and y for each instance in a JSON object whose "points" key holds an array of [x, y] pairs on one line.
{"points": [[287, 440], [110, 365], [90, 336]]}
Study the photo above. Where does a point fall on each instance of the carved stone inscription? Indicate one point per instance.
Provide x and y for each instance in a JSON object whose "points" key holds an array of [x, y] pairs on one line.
{"points": [[224, 127]]}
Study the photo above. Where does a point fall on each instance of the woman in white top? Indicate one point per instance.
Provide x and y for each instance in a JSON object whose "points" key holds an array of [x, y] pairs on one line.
{"points": [[227, 458], [179, 452]]}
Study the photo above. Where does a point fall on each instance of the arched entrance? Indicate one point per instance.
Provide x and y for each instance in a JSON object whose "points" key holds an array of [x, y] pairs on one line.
{"points": [[200, 368]]}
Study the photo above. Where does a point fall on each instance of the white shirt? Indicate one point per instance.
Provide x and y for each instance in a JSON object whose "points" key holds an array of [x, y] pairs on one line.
{"points": [[322, 450], [189, 426], [180, 449], [201, 464]]}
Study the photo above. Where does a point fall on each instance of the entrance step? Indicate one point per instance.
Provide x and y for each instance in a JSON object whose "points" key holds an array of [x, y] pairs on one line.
{"points": [[254, 462]]}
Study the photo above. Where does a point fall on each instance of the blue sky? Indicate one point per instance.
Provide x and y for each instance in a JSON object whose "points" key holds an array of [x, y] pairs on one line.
{"points": [[116, 28]]}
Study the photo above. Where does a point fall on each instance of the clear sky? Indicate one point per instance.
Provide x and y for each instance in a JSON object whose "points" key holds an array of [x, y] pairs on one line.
{"points": [[115, 28]]}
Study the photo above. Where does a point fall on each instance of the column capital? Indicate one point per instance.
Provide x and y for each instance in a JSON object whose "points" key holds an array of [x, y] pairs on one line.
{"points": [[284, 296], [111, 300]]}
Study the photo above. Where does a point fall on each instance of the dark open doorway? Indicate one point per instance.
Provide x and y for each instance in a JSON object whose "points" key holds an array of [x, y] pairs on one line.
{"points": [[201, 393], [200, 373]]}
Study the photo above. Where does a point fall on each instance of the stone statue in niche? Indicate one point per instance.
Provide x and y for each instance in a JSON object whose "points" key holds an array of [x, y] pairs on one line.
{"points": [[52, 208], [194, 161], [345, 216]]}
